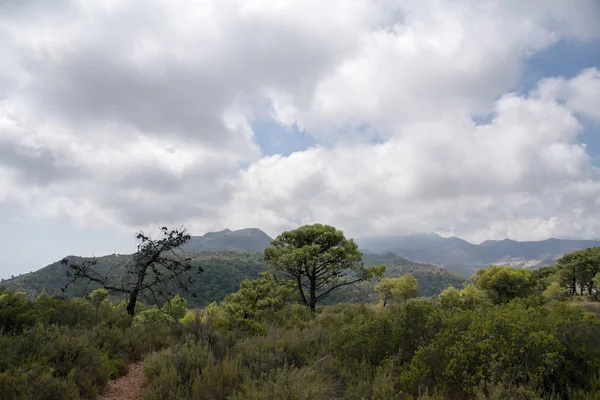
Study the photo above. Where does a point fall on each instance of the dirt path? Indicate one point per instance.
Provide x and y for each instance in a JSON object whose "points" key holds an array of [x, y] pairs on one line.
{"points": [[128, 387]]}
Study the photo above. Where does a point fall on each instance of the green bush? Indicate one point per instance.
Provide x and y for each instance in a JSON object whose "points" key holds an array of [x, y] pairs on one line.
{"points": [[190, 371], [287, 383], [261, 354], [35, 382]]}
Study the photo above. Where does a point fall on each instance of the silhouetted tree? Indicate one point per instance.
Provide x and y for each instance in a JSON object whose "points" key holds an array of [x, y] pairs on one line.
{"points": [[155, 264]]}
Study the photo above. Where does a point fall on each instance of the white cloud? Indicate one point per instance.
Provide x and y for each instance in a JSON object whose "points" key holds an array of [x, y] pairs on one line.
{"points": [[112, 113], [580, 94], [524, 167]]}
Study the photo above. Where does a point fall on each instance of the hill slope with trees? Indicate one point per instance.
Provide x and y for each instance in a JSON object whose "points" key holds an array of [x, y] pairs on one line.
{"points": [[225, 270]]}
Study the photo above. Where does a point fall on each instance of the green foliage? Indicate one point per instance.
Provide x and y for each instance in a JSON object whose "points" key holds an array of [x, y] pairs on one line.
{"points": [[431, 279], [399, 289], [554, 292], [576, 270], [287, 383], [258, 297], [318, 259], [450, 297], [35, 382], [508, 338], [225, 270], [297, 347], [545, 276], [472, 297], [503, 284], [176, 307], [190, 371], [55, 347], [223, 273]]}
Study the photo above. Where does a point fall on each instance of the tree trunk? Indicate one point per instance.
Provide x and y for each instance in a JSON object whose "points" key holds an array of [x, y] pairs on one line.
{"points": [[313, 294], [132, 301], [301, 289]]}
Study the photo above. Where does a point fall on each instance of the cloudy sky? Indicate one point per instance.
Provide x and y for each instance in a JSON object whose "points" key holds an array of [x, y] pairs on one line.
{"points": [[476, 118]]}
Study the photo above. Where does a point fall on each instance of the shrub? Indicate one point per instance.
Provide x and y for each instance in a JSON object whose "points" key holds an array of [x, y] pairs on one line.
{"points": [[189, 371], [287, 383], [35, 382]]}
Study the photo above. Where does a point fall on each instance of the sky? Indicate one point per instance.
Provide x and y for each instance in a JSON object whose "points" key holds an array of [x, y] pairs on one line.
{"points": [[474, 118]]}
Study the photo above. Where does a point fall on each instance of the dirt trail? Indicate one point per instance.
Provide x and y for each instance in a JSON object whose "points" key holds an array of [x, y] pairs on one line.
{"points": [[128, 387]]}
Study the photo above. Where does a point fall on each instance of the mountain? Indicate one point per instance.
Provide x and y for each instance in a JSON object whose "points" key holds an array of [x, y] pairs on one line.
{"points": [[464, 258], [250, 239]]}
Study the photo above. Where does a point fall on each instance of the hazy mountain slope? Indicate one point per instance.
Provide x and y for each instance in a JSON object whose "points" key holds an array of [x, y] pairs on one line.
{"points": [[250, 239], [464, 258], [224, 270], [432, 279]]}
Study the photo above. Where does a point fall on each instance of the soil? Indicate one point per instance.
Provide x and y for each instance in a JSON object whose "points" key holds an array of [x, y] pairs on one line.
{"points": [[127, 387]]}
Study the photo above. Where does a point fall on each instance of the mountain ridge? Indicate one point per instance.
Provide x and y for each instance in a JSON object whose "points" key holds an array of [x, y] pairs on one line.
{"points": [[463, 257]]}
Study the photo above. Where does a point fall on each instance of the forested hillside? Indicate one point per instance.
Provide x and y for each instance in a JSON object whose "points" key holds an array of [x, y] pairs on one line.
{"points": [[431, 279], [225, 270]]}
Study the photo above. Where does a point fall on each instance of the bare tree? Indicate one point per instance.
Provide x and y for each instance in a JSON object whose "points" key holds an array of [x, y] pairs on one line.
{"points": [[154, 268]]}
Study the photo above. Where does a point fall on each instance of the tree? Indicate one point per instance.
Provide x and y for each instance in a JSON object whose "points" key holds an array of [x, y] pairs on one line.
{"points": [[155, 264], [471, 296], [545, 276], [503, 284], [450, 297], [318, 259], [554, 292], [578, 269], [176, 307], [257, 296], [402, 288]]}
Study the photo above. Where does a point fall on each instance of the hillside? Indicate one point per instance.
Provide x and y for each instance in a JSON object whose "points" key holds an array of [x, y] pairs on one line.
{"points": [[432, 279], [224, 270], [250, 239], [464, 258]]}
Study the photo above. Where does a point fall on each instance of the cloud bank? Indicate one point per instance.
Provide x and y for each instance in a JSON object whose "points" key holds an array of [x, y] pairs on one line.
{"points": [[121, 115]]}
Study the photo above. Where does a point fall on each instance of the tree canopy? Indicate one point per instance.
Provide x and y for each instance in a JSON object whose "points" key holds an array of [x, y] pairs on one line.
{"points": [[577, 270], [503, 284], [318, 259], [400, 289]]}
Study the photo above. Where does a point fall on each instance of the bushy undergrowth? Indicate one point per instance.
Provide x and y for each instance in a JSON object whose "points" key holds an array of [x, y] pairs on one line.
{"points": [[527, 348], [59, 348]]}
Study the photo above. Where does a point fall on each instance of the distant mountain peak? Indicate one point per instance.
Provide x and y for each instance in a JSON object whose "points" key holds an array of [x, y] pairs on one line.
{"points": [[250, 231], [218, 233], [248, 239]]}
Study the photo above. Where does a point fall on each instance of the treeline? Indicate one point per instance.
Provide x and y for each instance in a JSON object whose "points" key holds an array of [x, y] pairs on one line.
{"points": [[223, 273]]}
